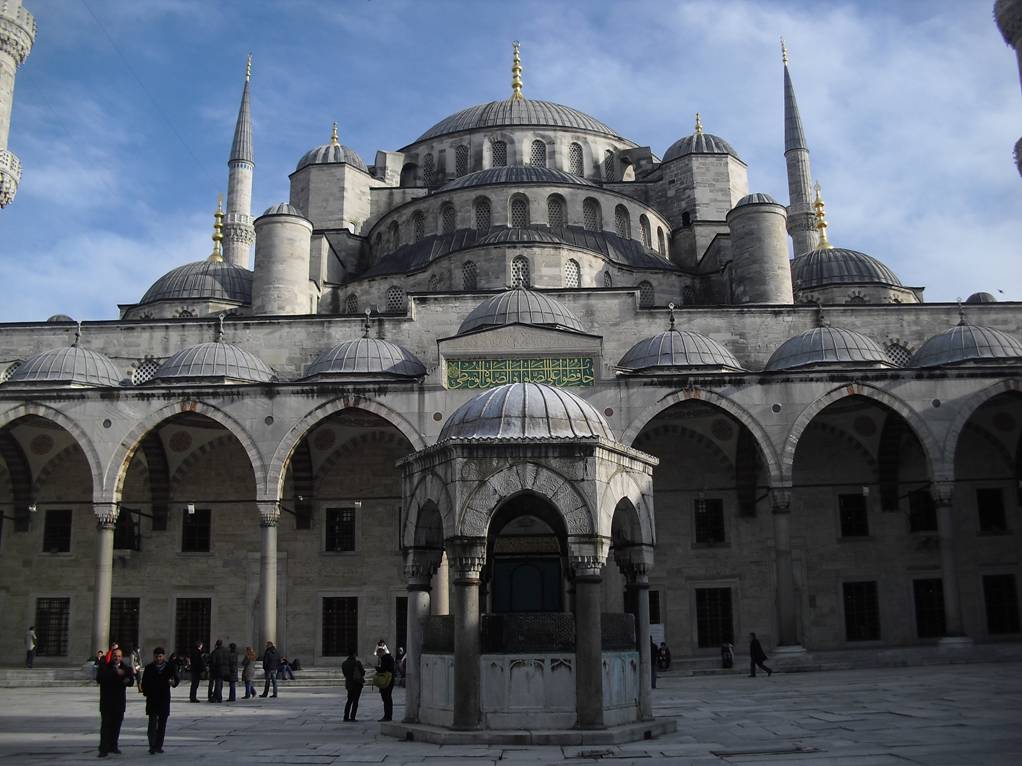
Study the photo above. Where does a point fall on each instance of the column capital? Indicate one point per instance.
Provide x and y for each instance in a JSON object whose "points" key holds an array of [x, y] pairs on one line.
{"points": [[587, 555], [269, 513], [106, 514], [942, 492], [466, 557], [635, 563], [780, 499], [420, 565]]}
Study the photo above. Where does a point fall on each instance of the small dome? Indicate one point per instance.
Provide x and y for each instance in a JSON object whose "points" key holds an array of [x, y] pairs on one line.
{"points": [[520, 236], [283, 208], [68, 366], [967, 343], [59, 318], [520, 306], [332, 154], [836, 265], [216, 360], [367, 356], [699, 143], [981, 298], [756, 199], [675, 350], [515, 174], [525, 411], [202, 280], [827, 346], [515, 112]]}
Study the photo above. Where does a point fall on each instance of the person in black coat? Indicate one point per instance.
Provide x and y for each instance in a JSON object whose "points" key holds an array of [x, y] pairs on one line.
{"points": [[757, 657], [232, 671], [113, 678], [386, 665], [271, 663], [158, 678], [354, 679], [218, 665], [197, 661]]}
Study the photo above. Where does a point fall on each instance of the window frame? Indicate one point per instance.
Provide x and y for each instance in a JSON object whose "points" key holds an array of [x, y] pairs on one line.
{"points": [[53, 523], [846, 616], [343, 644], [843, 499], [193, 520], [713, 507], [329, 514]]}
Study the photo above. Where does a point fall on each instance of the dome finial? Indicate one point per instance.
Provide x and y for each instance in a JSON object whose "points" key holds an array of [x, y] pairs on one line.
{"points": [[334, 139], [220, 328], [821, 321], [699, 124], [784, 52], [961, 314], [821, 220], [217, 255], [366, 324], [516, 75], [78, 332], [248, 67], [670, 315]]}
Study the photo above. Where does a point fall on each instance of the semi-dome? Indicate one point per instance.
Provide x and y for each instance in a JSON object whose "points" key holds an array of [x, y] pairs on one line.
{"points": [[699, 143], [367, 356], [59, 318], [283, 208], [202, 280], [756, 199], [217, 361], [968, 343], [332, 154], [515, 112], [837, 265], [677, 350], [68, 366], [520, 306], [520, 236], [515, 174], [525, 411], [981, 298], [828, 346]]}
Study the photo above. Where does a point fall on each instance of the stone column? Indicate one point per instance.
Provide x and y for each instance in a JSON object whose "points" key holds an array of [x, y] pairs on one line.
{"points": [[787, 629], [269, 516], [943, 497], [106, 521], [466, 555], [635, 563], [440, 595], [588, 569], [419, 568]]}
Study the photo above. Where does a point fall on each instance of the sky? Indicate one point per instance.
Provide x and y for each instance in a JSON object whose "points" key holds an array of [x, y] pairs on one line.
{"points": [[124, 114]]}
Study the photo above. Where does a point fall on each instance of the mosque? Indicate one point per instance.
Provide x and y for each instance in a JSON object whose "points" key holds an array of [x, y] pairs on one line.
{"points": [[437, 398]]}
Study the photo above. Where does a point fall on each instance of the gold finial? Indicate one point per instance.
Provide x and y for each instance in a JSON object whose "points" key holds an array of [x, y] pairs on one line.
{"points": [[248, 67], [334, 139], [217, 256], [784, 52], [699, 124], [366, 325], [670, 315], [821, 220], [516, 75]]}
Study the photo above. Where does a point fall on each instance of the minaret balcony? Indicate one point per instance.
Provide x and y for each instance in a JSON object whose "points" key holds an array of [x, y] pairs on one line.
{"points": [[10, 176]]}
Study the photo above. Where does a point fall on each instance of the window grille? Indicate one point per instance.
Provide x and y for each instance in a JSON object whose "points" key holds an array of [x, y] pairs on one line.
{"points": [[185, 314], [555, 212], [461, 160], [1001, 599], [709, 521], [714, 623], [646, 295], [395, 299], [340, 626], [427, 170], [469, 275], [447, 219], [144, 372], [592, 219], [575, 166], [57, 532], [862, 611], [195, 531], [340, 529], [645, 231], [898, 354], [191, 624], [434, 282], [608, 280], [929, 603], [537, 154], [418, 227], [520, 271], [622, 222], [519, 212], [482, 211], [498, 154], [608, 165], [124, 623], [351, 304], [6, 374], [572, 274], [51, 624], [661, 245], [395, 235]]}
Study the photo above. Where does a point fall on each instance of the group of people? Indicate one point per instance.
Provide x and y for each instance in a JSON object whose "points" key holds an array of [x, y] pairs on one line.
{"points": [[384, 679], [114, 676], [223, 664]]}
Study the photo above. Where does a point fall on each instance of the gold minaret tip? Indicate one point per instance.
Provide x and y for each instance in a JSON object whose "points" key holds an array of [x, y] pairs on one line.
{"points": [[699, 124], [248, 68], [334, 140], [217, 256], [516, 75], [784, 52], [821, 220]]}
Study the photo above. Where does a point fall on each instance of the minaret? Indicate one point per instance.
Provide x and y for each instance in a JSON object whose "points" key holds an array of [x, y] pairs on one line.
{"points": [[1008, 14], [17, 34], [239, 234], [801, 221]]}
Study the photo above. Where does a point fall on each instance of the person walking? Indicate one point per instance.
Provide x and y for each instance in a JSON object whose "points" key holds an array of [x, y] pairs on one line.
{"points": [[354, 679], [197, 664], [271, 661], [158, 678], [217, 671], [113, 678], [385, 682], [31, 642], [248, 672], [232, 671], [757, 657]]}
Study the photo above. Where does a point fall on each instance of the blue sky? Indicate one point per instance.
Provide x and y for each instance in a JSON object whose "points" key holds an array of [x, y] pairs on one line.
{"points": [[124, 114]]}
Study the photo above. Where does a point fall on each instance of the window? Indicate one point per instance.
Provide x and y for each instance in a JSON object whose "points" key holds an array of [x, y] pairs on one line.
{"points": [[655, 617], [340, 529], [395, 235], [853, 515], [482, 214], [51, 620], [660, 244], [646, 295], [351, 304], [572, 274], [862, 611], [575, 164], [498, 154], [537, 154], [434, 282], [57, 532], [124, 623], [709, 521], [555, 212], [519, 212], [144, 371], [191, 624], [427, 170], [468, 276], [340, 626], [127, 533], [447, 219], [713, 617], [929, 601], [647, 238], [622, 222], [608, 165], [418, 226], [990, 505], [9, 370], [461, 160], [898, 354], [686, 219], [195, 531], [592, 219], [395, 299], [520, 271], [922, 513], [1001, 600], [608, 280]]}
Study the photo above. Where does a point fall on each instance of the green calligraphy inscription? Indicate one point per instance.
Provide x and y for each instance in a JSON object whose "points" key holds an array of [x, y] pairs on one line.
{"points": [[487, 373]]}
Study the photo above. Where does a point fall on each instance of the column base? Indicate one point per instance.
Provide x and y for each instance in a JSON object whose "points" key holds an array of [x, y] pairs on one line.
{"points": [[955, 642]]}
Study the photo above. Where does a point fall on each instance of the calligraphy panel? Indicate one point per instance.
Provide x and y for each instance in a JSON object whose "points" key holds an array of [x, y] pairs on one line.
{"points": [[488, 373]]}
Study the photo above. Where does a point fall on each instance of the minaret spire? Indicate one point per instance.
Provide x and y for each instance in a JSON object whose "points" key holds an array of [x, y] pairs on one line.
{"points": [[801, 221], [239, 234], [516, 75]]}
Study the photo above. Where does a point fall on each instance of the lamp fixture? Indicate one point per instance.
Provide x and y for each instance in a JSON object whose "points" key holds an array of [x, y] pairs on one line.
{"points": [[190, 508], [358, 505], [32, 508]]}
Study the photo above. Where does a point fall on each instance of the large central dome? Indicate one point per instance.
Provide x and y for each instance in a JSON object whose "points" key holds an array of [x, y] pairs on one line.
{"points": [[511, 111]]}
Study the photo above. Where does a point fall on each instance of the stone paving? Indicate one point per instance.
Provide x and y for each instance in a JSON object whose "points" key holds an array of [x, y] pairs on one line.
{"points": [[965, 715]]}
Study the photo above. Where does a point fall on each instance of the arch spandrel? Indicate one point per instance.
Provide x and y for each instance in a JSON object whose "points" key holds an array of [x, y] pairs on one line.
{"points": [[966, 409]]}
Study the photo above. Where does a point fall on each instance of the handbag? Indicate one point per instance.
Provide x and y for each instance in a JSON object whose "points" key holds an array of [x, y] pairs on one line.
{"points": [[382, 680]]}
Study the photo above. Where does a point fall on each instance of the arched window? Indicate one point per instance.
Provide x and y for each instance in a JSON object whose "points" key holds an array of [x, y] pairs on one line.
{"points": [[627, 171], [608, 280], [898, 354], [395, 299], [434, 282], [409, 173], [647, 238], [686, 219], [447, 219], [537, 154], [520, 271], [519, 211], [427, 170], [351, 304], [608, 165], [461, 160], [592, 217], [13, 366], [661, 245], [469, 276], [418, 226], [555, 211], [646, 295], [622, 222], [482, 213], [145, 371], [575, 164], [572, 274], [498, 154], [395, 235]]}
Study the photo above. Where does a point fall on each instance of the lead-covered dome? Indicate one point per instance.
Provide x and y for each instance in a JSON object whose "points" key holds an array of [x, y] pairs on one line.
{"points": [[837, 265], [525, 411], [756, 198], [68, 366], [332, 154], [828, 346], [968, 343], [677, 350], [367, 356], [981, 298], [202, 280], [515, 174], [514, 112], [215, 362], [520, 306], [520, 236], [699, 143]]}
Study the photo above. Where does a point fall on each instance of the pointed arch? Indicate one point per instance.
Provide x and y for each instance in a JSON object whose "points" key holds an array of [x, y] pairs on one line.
{"points": [[431, 490], [623, 486], [966, 409]]}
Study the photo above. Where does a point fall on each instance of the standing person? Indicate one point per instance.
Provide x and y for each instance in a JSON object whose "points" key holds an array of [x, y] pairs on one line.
{"points": [[232, 671], [757, 657], [158, 678], [248, 672], [31, 642], [113, 678], [385, 669], [652, 663], [217, 671], [197, 661], [354, 679], [271, 661]]}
